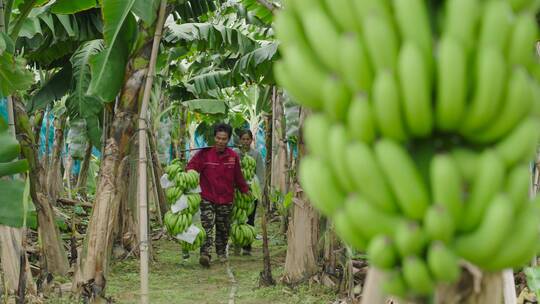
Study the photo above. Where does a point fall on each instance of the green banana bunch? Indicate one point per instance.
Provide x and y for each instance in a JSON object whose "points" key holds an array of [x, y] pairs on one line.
{"points": [[194, 201], [173, 194], [242, 234], [239, 215], [176, 223], [174, 169], [249, 166], [199, 240], [382, 87], [187, 180]]}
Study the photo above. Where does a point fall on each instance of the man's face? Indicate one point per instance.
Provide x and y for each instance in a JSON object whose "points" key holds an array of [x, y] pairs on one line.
{"points": [[221, 138], [245, 141]]}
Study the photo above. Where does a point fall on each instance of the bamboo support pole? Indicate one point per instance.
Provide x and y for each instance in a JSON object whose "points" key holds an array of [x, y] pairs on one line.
{"points": [[143, 195]]}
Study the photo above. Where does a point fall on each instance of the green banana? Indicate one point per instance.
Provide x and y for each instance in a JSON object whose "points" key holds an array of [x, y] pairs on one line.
{"points": [[521, 49], [337, 142], [520, 144], [304, 71], [517, 185], [489, 86], [320, 187], [361, 120], [337, 98], [355, 67], [439, 224], [387, 107], [443, 263], [447, 185], [289, 29], [417, 276], [451, 84], [479, 245], [368, 220], [522, 241], [403, 177], [300, 92], [343, 13], [347, 232], [381, 252], [368, 177], [410, 238], [461, 21], [496, 25], [321, 35], [316, 129], [517, 105], [381, 42], [415, 86], [413, 23], [489, 178]]}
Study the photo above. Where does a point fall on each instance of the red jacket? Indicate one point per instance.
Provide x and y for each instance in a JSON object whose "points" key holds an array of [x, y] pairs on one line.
{"points": [[220, 174]]}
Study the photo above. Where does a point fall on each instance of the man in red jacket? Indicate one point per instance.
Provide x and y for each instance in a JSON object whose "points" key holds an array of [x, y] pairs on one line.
{"points": [[220, 173]]}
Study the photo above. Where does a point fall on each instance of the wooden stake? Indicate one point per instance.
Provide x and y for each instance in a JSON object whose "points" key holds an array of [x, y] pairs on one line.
{"points": [[143, 203]]}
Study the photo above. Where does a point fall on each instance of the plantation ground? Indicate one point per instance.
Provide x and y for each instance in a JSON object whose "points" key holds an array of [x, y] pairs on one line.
{"points": [[175, 281]]}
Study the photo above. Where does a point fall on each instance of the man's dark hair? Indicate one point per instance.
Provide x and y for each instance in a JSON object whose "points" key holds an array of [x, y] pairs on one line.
{"points": [[223, 127], [244, 132]]}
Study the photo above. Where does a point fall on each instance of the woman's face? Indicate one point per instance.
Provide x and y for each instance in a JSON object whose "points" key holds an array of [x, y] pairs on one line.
{"points": [[245, 141]]}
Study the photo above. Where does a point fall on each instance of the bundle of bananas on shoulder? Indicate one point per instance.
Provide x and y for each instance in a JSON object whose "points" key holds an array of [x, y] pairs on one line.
{"points": [[242, 234], [248, 165], [184, 183], [422, 131], [199, 240]]}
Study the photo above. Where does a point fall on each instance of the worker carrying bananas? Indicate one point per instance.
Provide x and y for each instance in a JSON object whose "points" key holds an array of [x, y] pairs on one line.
{"points": [[220, 174], [246, 138]]}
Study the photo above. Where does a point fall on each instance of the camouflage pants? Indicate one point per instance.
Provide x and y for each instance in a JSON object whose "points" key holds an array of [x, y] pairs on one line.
{"points": [[219, 216]]}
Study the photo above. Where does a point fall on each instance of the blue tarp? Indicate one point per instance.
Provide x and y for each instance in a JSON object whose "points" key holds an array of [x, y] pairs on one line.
{"points": [[3, 109]]}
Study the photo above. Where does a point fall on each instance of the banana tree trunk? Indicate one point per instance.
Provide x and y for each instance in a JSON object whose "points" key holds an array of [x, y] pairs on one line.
{"points": [[279, 163], [83, 175], [104, 218], [129, 233], [303, 232], [54, 174], [11, 252], [53, 249]]}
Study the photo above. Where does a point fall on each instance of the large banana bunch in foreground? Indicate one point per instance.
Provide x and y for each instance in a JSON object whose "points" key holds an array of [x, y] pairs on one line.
{"points": [[242, 234], [199, 240], [422, 132]]}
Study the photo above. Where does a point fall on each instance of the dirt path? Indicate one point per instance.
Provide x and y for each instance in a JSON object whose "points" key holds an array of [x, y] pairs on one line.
{"points": [[173, 280]]}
